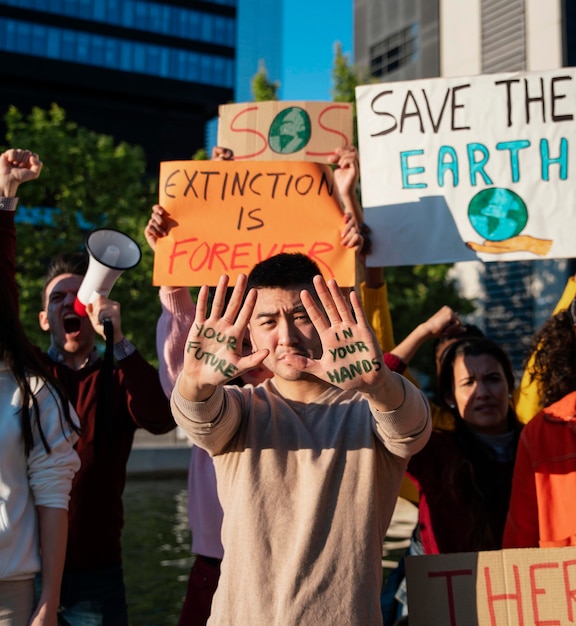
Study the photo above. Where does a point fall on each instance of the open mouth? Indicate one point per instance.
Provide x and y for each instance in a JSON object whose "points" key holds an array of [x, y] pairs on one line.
{"points": [[71, 324]]}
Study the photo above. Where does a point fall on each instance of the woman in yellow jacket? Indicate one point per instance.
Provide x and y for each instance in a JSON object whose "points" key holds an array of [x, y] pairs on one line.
{"points": [[528, 398]]}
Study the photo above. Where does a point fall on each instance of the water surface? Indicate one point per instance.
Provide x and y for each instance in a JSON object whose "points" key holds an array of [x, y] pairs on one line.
{"points": [[156, 549]]}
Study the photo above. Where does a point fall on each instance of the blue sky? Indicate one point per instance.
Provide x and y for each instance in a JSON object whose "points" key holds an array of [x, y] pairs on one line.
{"points": [[311, 28]]}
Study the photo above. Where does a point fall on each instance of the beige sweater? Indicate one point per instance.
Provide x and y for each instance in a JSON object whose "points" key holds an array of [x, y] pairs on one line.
{"points": [[308, 491]]}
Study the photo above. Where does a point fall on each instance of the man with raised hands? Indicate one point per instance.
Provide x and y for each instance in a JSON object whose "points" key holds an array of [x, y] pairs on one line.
{"points": [[309, 463]]}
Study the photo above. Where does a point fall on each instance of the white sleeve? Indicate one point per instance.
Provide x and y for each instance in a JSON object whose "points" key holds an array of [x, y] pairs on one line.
{"points": [[50, 474]]}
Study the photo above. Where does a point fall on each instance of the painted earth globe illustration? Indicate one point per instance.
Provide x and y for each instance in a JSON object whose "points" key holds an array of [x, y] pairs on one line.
{"points": [[290, 131], [497, 214]]}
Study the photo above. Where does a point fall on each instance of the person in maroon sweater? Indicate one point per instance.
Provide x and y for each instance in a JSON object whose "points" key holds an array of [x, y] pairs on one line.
{"points": [[465, 476], [92, 587]]}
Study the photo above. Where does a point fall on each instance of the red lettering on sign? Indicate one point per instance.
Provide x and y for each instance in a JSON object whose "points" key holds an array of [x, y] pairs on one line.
{"points": [[536, 591], [346, 140], [570, 591], [175, 254], [319, 248], [221, 256], [516, 597], [291, 247], [238, 251], [248, 130], [449, 589]]}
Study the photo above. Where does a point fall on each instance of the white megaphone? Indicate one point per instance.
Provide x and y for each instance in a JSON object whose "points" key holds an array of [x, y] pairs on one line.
{"points": [[111, 252]]}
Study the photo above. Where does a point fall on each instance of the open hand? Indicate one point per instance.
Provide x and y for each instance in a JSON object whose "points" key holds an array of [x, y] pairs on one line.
{"points": [[351, 357], [213, 351]]}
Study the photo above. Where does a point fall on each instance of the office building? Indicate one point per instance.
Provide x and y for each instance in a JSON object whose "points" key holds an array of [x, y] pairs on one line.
{"points": [[411, 39], [147, 72], [258, 41]]}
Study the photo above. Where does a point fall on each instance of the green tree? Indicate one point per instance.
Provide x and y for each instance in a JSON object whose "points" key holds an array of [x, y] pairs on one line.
{"points": [[88, 181], [345, 76], [263, 89], [415, 292], [200, 155]]}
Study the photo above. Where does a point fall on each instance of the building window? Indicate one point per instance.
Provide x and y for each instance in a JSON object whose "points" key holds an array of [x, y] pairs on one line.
{"points": [[394, 52], [113, 53], [147, 16]]}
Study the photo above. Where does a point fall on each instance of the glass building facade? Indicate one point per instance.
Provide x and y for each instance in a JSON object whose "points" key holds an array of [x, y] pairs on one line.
{"points": [[260, 40], [127, 55], [146, 72]]}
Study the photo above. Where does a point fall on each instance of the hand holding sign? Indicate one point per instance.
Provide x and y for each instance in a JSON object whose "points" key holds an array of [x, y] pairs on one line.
{"points": [[346, 177]]}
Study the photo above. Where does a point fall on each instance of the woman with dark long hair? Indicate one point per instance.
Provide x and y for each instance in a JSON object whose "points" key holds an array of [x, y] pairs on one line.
{"points": [[38, 430], [464, 476]]}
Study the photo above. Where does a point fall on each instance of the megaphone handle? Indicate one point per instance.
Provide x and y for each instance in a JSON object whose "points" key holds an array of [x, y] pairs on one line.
{"points": [[109, 334], [104, 405]]}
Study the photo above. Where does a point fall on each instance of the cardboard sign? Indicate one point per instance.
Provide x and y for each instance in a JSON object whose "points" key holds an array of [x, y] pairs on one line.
{"points": [[520, 587], [285, 131], [227, 216], [478, 168]]}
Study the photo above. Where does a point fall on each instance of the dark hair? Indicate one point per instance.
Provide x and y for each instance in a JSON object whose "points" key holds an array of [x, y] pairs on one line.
{"points": [[554, 349], [283, 270], [470, 346], [23, 360], [65, 263], [483, 486], [469, 330]]}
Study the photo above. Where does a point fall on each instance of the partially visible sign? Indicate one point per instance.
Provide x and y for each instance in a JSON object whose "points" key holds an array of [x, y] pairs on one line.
{"points": [[228, 215], [520, 587], [285, 131]]}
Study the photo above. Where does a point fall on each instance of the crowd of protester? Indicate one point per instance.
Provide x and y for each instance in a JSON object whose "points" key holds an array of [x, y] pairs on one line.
{"points": [[294, 472]]}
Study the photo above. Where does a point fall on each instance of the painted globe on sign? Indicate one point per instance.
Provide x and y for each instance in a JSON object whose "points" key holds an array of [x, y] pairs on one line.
{"points": [[290, 131], [497, 214]]}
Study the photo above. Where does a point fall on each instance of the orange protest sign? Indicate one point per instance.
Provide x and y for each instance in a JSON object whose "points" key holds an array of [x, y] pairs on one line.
{"points": [[285, 131], [228, 215]]}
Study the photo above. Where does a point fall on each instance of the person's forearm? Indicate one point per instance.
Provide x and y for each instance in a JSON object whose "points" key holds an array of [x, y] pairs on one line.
{"points": [[193, 391], [406, 429], [146, 402], [567, 295], [178, 310], [8, 187], [374, 277], [407, 348], [210, 424], [352, 205], [53, 526], [388, 394], [8, 251]]}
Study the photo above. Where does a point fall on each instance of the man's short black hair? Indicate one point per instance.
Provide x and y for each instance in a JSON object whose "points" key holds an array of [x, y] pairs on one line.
{"points": [[65, 263], [284, 271]]}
